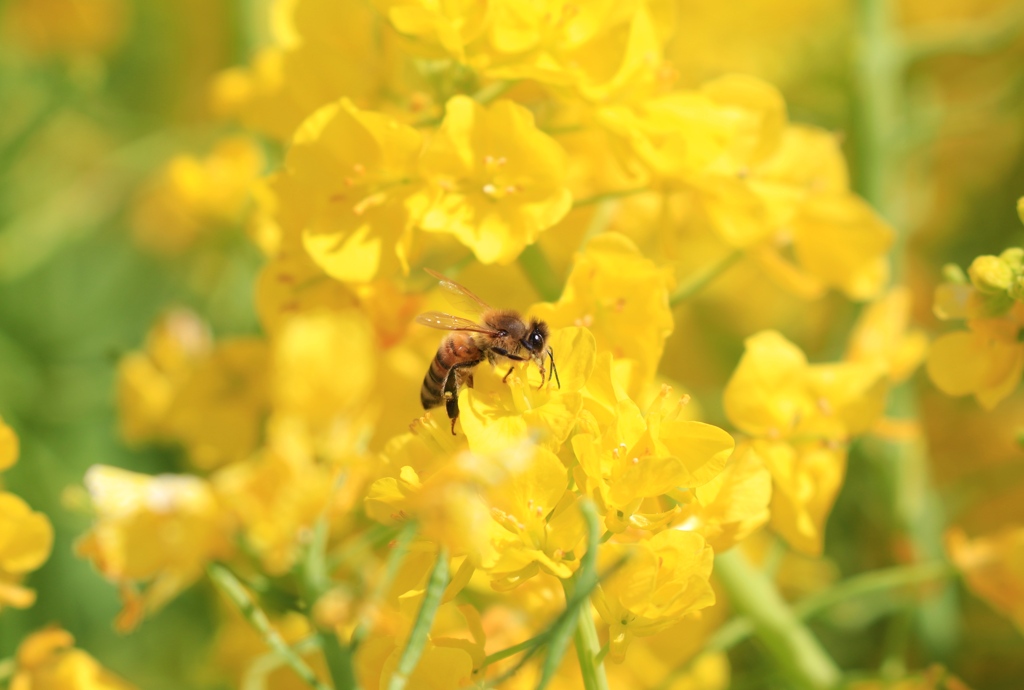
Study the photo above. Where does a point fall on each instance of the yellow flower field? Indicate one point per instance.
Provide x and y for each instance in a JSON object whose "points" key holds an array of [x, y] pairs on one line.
{"points": [[511, 344]]}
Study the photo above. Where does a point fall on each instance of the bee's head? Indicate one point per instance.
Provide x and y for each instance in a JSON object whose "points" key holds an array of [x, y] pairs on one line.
{"points": [[536, 336]]}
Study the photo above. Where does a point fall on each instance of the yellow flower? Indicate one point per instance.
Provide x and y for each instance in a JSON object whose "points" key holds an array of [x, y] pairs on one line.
{"points": [[450, 25], [159, 530], [622, 298], [238, 646], [664, 579], [449, 656], [993, 566], [324, 366], [299, 73], [430, 476], [987, 359], [48, 660], [183, 389], [350, 190], [733, 505], [603, 51], [540, 520], [274, 497], [26, 538], [499, 180], [291, 283], [148, 381], [643, 457], [8, 446], [498, 414], [882, 335], [191, 196], [800, 416], [218, 410]]}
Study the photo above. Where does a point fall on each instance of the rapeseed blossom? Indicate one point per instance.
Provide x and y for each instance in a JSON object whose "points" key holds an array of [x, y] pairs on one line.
{"points": [[653, 494], [26, 536]]}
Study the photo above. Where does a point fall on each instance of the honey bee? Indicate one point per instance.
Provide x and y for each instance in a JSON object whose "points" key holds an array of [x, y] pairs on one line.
{"points": [[497, 335]]}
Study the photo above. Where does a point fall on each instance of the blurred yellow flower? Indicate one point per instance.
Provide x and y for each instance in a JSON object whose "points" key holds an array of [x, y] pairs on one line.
{"points": [[987, 359], [48, 660], [190, 196], [800, 417], [300, 72], [159, 531], [238, 649], [324, 366], [882, 334], [210, 398], [733, 505], [218, 411], [622, 298], [8, 446], [148, 381], [275, 497], [449, 25], [65, 28], [499, 181], [664, 579], [26, 538], [993, 566]]}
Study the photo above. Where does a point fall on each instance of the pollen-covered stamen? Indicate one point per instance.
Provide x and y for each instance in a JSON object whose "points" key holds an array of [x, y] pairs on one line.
{"points": [[495, 187]]}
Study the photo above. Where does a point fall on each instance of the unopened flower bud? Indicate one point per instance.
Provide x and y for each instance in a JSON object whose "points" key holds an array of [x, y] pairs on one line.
{"points": [[1014, 258], [990, 274], [952, 273]]}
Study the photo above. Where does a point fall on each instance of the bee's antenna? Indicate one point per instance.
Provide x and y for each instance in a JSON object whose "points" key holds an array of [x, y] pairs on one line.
{"points": [[554, 369]]}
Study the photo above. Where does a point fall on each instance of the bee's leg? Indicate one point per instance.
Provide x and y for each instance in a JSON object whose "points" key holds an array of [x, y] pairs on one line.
{"points": [[504, 379], [460, 374], [451, 398], [543, 373], [554, 369]]}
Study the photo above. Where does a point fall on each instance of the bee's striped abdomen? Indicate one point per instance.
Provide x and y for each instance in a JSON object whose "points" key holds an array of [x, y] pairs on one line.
{"points": [[456, 350]]}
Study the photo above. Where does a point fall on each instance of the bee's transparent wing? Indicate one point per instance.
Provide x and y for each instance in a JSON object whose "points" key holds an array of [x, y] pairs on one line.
{"points": [[449, 322], [460, 297]]}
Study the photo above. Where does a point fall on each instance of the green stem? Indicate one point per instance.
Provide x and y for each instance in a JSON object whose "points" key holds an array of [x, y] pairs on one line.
{"points": [[255, 677], [534, 641], [701, 281], [394, 563], [872, 582], [540, 273], [880, 73], [588, 646], [590, 653], [233, 589], [424, 622], [791, 644], [605, 196], [741, 628], [316, 581]]}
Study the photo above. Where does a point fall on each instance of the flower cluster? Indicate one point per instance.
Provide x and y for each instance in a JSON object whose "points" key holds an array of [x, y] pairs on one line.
{"points": [[552, 156]]}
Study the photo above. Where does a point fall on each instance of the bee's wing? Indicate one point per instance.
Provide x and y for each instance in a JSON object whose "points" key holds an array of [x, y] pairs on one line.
{"points": [[459, 297], [448, 322]]}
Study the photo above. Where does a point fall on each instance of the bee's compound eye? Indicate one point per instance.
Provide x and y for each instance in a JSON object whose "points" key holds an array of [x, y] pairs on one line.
{"points": [[536, 341]]}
